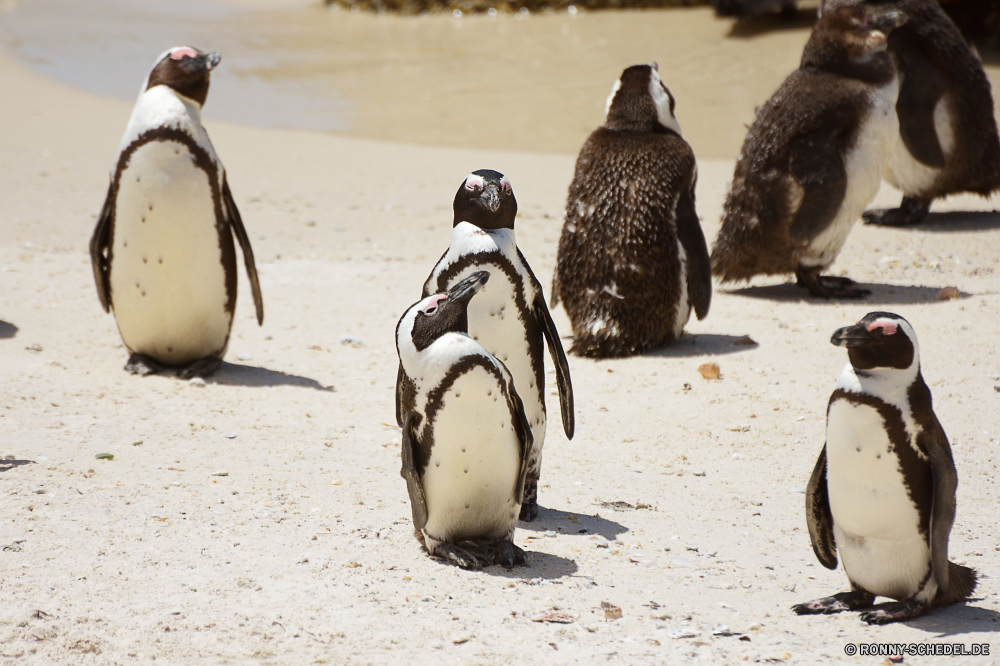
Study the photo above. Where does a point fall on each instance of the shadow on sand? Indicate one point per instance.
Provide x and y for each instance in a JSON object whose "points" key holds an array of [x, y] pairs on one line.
{"points": [[882, 294], [7, 330], [230, 374], [761, 25], [7, 465], [958, 619], [957, 221], [703, 344], [564, 523]]}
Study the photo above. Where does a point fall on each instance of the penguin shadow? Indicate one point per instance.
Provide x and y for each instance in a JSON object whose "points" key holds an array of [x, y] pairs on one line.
{"points": [[754, 26], [540, 565], [582, 524], [7, 330], [957, 221], [231, 374], [7, 465], [701, 344], [882, 294], [959, 619]]}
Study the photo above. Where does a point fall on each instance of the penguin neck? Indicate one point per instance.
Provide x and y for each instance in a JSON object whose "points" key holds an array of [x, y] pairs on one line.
{"points": [[161, 106], [889, 385], [472, 239], [427, 368]]}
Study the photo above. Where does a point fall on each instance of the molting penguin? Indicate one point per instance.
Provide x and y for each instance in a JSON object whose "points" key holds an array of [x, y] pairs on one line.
{"points": [[883, 490], [466, 439], [162, 251], [947, 141], [814, 157], [632, 261], [510, 318]]}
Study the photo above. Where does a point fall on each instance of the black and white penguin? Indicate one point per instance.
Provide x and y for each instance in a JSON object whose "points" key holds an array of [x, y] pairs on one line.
{"points": [[883, 490], [510, 319], [632, 261], [948, 141], [814, 156], [466, 439], [162, 251]]}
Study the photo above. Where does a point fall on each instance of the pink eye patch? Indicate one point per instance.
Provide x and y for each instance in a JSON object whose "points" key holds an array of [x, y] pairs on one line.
{"points": [[179, 54], [474, 181], [432, 305], [888, 327]]}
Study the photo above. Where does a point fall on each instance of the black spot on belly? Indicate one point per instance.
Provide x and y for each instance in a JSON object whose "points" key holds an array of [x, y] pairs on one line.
{"points": [[466, 505], [143, 292], [150, 207], [466, 470], [457, 394], [144, 219], [463, 449], [437, 464], [170, 349], [136, 285], [144, 260], [125, 244], [161, 260]]}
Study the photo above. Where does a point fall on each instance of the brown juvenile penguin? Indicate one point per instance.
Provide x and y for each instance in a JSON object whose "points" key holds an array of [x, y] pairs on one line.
{"points": [[948, 141], [814, 156], [632, 261]]}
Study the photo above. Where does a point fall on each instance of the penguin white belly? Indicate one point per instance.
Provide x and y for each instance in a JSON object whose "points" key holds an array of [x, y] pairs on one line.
{"points": [[909, 174], [168, 283], [683, 300], [865, 166], [876, 525], [472, 473]]}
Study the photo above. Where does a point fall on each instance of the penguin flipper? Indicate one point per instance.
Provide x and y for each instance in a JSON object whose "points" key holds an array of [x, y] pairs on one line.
{"points": [[100, 245], [692, 239], [944, 481], [818, 516], [232, 214], [418, 501], [817, 165], [918, 99], [563, 379], [523, 430], [400, 377]]}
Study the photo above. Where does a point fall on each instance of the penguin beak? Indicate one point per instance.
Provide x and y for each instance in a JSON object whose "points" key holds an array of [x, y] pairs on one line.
{"points": [[491, 197], [888, 20], [852, 337], [211, 60], [467, 288]]}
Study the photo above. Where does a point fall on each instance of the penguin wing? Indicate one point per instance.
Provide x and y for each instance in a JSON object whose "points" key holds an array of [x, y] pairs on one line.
{"points": [[818, 516], [418, 502], [816, 163], [563, 379], [944, 480], [919, 94], [692, 239], [523, 430], [236, 224], [100, 246], [400, 378]]}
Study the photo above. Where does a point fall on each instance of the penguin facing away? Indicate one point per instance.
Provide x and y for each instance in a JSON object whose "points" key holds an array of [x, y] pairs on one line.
{"points": [[466, 438], [632, 261], [814, 157], [510, 318], [882, 493], [948, 140], [162, 250]]}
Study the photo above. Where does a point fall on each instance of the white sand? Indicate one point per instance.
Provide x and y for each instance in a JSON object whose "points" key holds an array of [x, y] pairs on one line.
{"points": [[304, 552]]}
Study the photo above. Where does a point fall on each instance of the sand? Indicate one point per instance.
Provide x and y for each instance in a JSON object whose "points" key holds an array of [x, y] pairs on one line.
{"points": [[260, 518]]}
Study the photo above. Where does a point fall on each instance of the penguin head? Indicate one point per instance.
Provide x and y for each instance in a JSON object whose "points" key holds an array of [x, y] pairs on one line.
{"points": [[444, 313], [639, 100], [486, 200], [184, 70], [880, 341], [848, 38]]}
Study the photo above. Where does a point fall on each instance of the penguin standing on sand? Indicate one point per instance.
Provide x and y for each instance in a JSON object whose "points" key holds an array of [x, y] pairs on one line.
{"points": [[883, 490], [162, 251], [466, 438], [632, 261], [948, 141], [814, 156], [510, 318]]}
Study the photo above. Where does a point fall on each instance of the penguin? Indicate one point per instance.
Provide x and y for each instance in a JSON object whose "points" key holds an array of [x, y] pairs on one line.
{"points": [[466, 439], [632, 262], [753, 8], [510, 319], [883, 489], [814, 156], [947, 141], [162, 250]]}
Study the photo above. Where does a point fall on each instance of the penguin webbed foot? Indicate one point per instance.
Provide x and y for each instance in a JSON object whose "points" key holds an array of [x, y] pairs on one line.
{"points": [[911, 211], [838, 603], [506, 554], [203, 367], [142, 365], [894, 611], [529, 500], [828, 286], [529, 511], [473, 555]]}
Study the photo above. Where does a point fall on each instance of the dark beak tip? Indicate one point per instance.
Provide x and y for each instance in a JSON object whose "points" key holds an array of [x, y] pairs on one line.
{"points": [[213, 60]]}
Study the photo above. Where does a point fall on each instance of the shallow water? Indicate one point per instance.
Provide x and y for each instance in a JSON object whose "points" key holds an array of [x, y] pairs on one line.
{"points": [[533, 84]]}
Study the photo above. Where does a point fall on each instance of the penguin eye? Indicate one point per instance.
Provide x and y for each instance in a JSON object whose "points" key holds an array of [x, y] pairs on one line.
{"points": [[431, 308], [431, 311]]}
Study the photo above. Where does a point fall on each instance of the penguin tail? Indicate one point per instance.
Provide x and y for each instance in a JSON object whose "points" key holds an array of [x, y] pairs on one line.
{"points": [[961, 583], [602, 345]]}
